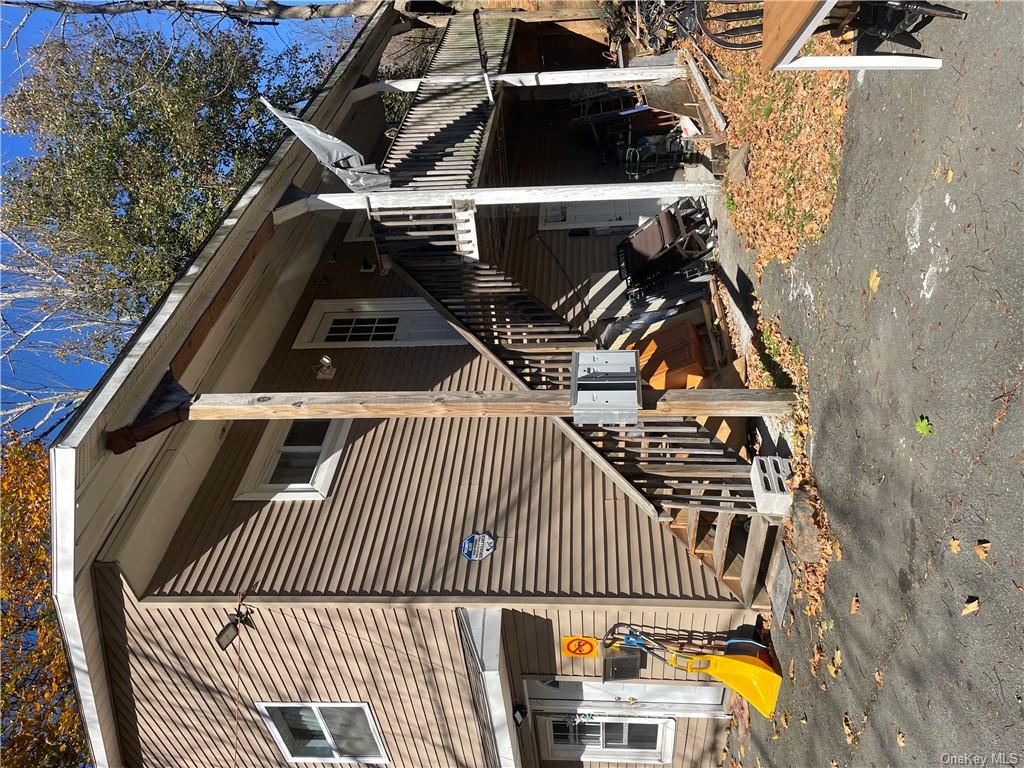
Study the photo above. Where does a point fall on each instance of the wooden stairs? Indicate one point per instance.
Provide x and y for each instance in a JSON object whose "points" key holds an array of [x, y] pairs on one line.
{"points": [[697, 485]]}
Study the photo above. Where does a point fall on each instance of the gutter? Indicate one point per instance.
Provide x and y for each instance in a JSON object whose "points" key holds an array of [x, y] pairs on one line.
{"points": [[62, 575]]}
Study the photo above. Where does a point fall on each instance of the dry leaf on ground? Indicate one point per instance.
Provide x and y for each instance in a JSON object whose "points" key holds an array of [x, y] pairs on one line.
{"points": [[784, 719], [803, 719], [792, 670], [954, 545], [836, 664], [850, 734], [880, 676], [793, 122], [741, 714], [816, 658], [949, 175], [901, 740], [970, 606], [855, 605], [981, 548], [874, 281]]}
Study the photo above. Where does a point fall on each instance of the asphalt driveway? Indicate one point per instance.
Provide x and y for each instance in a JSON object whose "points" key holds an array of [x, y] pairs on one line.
{"points": [[931, 196]]}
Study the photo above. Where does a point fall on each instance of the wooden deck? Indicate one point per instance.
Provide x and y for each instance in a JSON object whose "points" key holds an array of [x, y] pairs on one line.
{"points": [[673, 465]]}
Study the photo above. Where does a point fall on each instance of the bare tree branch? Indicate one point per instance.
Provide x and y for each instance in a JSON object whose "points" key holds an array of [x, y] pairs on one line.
{"points": [[14, 32], [269, 11]]}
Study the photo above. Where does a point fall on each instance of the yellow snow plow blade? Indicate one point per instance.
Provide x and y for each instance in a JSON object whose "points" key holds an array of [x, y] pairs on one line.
{"points": [[750, 677]]}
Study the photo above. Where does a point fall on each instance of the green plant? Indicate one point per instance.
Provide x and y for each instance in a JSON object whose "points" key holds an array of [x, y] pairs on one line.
{"points": [[923, 426]]}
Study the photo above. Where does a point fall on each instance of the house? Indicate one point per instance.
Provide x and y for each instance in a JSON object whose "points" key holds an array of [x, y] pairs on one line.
{"points": [[264, 555]]}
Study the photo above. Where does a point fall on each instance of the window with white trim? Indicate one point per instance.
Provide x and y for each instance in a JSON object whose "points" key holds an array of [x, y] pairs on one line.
{"points": [[623, 739], [409, 322], [295, 460], [324, 733]]}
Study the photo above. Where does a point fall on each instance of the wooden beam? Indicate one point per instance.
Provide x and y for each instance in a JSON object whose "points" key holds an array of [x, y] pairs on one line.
{"points": [[705, 91], [377, 405], [669, 191], [473, 404], [607, 75], [721, 402], [875, 61]]}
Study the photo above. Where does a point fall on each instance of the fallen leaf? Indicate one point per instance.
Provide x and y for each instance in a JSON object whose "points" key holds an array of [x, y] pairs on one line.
{"points": [[879, 676], [833, 764], [855, 605], [743, 751], [792, 670], [816, 657], [850, 734], [837, 549], [901, 740], [970, 606], [874, 281], [981, 548], [803, 720], [954, 545], [949, 175], [757, 762], [784, 719], [836, 664]]}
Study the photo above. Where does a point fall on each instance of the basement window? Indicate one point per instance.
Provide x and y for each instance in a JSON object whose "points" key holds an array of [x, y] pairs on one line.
{"points": [[324, 733], [632, 739], [295, 460], [409, 322]]}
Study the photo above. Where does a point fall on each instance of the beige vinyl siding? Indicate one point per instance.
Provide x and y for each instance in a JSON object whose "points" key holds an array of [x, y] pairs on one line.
{"points": [[175, 690], [532, 637], [407, 491], [532, 641]]}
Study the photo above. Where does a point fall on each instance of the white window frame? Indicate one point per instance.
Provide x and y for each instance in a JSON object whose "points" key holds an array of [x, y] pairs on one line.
{"points": [[256, 485], [408, 310], [264, 710], [591, 753]]}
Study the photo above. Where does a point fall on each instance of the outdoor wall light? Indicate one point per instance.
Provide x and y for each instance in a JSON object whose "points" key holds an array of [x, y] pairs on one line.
{"points": [[324, 368], [241, 616]]}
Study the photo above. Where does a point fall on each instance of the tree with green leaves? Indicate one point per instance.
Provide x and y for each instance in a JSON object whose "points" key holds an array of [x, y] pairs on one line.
{"points": [[140, 143]]}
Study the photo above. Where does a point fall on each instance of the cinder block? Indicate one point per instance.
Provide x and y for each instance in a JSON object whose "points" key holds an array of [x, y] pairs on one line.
{"points": [[768, 476]]}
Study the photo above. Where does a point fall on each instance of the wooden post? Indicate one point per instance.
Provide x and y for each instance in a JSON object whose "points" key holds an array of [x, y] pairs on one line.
{"points": [[474, 404]]}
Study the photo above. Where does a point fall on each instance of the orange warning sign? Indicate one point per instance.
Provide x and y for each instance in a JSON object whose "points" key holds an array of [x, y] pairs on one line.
{"points": [[580, 646]]}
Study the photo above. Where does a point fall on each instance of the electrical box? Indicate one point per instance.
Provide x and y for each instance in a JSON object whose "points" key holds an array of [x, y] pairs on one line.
{"points": [[622, 664], [605, 387], [768, 476]]}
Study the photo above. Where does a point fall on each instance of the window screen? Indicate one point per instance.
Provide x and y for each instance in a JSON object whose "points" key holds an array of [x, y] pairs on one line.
{"points": [[350, 730], [351, 329]]}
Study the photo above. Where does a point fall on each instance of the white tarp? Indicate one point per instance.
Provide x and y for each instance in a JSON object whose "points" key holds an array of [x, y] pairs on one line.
{"points": [[344, 161]]}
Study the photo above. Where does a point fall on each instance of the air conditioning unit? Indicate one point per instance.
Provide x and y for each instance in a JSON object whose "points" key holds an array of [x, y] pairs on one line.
{"points": [[605, 387]]}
